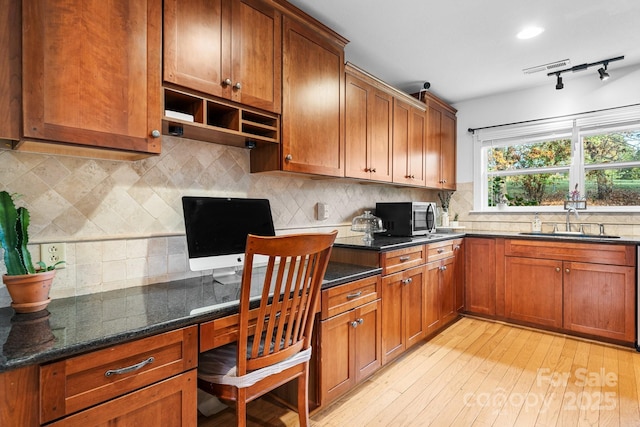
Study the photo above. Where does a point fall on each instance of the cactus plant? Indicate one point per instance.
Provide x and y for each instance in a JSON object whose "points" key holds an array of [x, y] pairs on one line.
{"points": [[14, 237]]}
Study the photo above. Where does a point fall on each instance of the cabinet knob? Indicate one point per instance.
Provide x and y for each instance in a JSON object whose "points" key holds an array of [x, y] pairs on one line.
{"points": [[373, 170], [237, 86], [288, 158], [456, 248], [567, 271], [155, 133], [443, 268], [440, 250], [354, 324], [558, 269], [226, 82], [407, 281], [360, 321]]}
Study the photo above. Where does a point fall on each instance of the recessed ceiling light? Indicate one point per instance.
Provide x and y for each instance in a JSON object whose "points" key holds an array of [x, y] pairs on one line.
{"points": [[530, 32]]}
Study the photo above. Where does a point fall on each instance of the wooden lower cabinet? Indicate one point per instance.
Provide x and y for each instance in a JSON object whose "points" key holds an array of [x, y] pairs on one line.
{"points": [[169, 403], [533, 291], [403, 311], [600, 300], [575, 287], [441, 299], [350, 349], [480, 275]]}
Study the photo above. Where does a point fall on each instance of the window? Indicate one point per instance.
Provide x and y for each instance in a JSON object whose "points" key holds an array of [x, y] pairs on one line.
{"points": [[593, 157]]}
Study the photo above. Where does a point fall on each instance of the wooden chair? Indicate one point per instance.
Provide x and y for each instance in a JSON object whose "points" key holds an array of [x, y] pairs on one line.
{"points": [[277, 347]]}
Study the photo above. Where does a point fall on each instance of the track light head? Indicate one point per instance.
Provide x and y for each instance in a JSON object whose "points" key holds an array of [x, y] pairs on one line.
{"points": [[559, 84], [603, 71]]}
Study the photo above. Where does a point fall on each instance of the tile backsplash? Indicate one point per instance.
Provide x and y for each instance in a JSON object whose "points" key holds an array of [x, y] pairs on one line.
{"points": [[122, 221]]}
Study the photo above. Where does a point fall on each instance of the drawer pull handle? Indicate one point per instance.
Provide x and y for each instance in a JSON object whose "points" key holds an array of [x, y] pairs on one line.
{"points": [[129, 368], [356, 295], [440, 250], [405, 258]]}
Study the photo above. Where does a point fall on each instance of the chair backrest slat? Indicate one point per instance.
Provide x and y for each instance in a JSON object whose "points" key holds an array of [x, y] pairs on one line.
{"points": [[290, 292]]}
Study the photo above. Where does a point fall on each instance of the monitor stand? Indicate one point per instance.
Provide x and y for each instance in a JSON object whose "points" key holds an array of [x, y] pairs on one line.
{"points": [[227, 276]]}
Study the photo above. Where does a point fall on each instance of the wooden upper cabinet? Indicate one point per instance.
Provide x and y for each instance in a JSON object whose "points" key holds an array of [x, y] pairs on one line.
{"points": [[92, 74], [11, 69], [409, 132], [313, 102], [229, 49], [369, 128], [441, 144]]}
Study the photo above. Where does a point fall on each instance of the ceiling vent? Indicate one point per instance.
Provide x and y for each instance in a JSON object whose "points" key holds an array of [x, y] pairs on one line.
{"points": [[550, 67]]}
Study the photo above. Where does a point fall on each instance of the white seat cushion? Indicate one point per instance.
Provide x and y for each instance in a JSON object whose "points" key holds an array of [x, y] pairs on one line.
{"points": [[219, 366]]}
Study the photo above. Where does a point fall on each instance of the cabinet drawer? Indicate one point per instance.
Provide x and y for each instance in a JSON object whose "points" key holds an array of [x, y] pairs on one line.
{"points": [[439, 250], [401, 259], [169, 403], [596, 253], [78, 382], [343, 298]]}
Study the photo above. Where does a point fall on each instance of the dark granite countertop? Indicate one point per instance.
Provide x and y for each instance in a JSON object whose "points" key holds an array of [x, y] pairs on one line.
{"points": [[383, 243], [620, 240], [76, 325]]}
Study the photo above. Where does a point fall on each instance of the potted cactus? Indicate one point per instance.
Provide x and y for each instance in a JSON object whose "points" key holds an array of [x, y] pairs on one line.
{"points": [[28, 287]]}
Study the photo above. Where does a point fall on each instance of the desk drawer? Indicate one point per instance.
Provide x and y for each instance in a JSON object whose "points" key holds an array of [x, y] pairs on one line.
{"points": [[342, 298], [82, 381]]}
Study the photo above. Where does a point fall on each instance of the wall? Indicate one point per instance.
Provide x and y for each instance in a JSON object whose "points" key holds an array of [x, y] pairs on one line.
{"points": [[122, 221], [582, 92]]}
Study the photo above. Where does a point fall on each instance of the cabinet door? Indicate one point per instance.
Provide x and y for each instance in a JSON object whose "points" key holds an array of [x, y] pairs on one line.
{"points": [[380, 136], [312, 113], [432, 300], [170, 403], [533, 290], [337, 356], [433, 152], [458, 267], [414, 306], [448, 150], [197, 45], [10, 71], [600, 300], [393, 343], [94, 73], [480, 276], [256, 49], [356, 128], [447, 291], [408, 144], [368, 346]]}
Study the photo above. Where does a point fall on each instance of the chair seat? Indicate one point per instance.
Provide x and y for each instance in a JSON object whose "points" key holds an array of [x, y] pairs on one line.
{"points": [[219, 366]]}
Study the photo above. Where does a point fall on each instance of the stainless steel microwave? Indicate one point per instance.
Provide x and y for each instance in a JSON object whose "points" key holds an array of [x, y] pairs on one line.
{"points": [[407, 218]]}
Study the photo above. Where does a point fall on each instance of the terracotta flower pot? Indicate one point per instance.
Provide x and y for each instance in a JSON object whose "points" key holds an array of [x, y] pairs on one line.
{"points": [[29, 292]]}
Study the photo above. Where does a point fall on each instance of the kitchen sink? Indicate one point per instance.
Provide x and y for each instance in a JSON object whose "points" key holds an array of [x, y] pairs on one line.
{"points": [[570, 234]]}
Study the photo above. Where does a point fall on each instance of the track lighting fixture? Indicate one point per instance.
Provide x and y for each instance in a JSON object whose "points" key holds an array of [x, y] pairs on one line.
{"points": [[602, 71]]}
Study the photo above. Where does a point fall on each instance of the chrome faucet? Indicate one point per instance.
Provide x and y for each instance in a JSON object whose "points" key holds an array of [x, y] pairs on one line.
{"points": [[569, 217]]}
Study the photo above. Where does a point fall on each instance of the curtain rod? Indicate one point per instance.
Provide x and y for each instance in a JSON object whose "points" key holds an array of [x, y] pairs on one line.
{"points": [[472, 130]]}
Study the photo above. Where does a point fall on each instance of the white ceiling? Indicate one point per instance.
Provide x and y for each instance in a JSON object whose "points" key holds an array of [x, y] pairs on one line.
{"points": [[468, 48]]}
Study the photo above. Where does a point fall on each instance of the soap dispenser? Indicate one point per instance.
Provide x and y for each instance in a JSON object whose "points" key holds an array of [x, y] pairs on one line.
{"points": [[536, 224]]}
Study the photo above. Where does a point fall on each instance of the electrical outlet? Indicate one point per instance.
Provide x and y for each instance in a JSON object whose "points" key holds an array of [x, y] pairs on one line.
{"points": [[50, 253]]}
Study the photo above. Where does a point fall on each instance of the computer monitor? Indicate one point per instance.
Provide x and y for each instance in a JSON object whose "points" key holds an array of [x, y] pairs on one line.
{"points": [[217, 229]]}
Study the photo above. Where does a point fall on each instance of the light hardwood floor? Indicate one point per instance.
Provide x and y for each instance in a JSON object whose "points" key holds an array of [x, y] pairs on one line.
{"points": [[482, 373]]}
